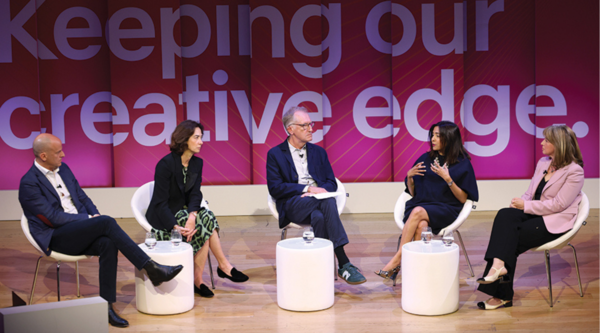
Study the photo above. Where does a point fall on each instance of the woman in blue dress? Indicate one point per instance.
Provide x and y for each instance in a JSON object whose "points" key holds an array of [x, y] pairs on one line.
{"points": [[440, 182]]}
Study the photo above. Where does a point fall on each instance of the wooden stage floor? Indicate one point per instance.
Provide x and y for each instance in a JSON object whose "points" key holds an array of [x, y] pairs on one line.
{"points": [[374, 306]]}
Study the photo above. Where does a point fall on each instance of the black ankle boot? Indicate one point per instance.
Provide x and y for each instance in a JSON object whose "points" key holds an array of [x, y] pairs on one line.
{"points": [[114, 319], [158, 273]]}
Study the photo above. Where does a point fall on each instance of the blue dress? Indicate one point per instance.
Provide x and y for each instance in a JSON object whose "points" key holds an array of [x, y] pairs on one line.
{"points": [[433, 194]]}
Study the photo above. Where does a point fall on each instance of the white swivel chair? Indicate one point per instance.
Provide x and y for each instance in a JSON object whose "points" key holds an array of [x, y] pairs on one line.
{"points": [[340, 201], [462, 217], [59, 257], [582, 214], [139, 205]]}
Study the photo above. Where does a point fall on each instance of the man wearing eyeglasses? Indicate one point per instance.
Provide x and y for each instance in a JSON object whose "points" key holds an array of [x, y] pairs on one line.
{"points": [[297, 169]]}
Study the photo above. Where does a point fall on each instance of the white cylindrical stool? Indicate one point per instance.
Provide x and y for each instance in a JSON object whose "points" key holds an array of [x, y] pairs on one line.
{"points": [[304, 279], [429, 278], [171, 297]]}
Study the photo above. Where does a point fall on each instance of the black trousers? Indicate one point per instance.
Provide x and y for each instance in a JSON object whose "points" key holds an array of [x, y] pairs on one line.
{"points": [[99, 236], [513, 233], [322, 216]]}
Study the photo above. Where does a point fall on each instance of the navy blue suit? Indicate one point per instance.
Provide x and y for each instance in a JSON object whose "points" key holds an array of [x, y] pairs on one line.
{"points": [[76, 234], [282, 181]]}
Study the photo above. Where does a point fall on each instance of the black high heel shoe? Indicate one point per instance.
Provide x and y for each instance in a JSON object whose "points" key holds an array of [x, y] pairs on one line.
{"points": [[203, 291], [391, 274], [236, 276]]}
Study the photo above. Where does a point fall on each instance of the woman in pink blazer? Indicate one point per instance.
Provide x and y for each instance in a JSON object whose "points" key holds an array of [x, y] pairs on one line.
{"points": [[545, 212]]}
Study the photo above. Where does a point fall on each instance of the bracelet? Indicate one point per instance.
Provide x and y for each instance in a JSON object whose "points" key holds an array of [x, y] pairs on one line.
{"points": [[450, 183]]}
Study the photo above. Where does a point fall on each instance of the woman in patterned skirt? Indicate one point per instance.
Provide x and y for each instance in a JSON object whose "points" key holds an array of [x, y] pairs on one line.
{"points": [[176, 204]]}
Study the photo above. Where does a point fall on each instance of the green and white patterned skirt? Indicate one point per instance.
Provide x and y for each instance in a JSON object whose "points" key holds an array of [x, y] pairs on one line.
{"points": [[206, 223]]}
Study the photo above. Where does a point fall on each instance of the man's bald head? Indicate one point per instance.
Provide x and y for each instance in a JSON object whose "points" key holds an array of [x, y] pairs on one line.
{"points": [[41, 143], [47, 149]]}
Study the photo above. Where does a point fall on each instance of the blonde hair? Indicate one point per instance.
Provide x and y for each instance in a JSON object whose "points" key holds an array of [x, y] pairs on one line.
{"points": [[566, 148]]}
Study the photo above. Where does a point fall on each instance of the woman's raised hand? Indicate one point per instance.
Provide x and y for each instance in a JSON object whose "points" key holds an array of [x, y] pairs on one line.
{"points": [[441, 170], [417, 170]]}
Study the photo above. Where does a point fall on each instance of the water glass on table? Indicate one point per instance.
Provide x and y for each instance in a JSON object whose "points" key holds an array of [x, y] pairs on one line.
{"points": [[308, 235], [426, 235], [175, 237], [448, 237], [150, 240]]}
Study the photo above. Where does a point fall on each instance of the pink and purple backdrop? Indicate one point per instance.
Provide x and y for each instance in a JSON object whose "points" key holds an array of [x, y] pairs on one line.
{"points": [[113, 78]]}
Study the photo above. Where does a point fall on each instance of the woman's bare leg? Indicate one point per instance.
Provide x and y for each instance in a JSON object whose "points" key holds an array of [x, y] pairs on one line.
{"points": [[217, 250], [418, 215], [199, 262], [422, 225]]}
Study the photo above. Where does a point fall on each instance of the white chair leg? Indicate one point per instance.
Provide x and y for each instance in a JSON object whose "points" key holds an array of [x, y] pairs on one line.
{"points": [[77, 277], [210, 270], [37, 267], [58, 279], [577, 269], [462, 245], [549, 276]]}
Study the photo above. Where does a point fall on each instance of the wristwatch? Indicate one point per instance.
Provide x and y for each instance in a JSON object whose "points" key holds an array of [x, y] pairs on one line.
{"points": [[450, 183]]}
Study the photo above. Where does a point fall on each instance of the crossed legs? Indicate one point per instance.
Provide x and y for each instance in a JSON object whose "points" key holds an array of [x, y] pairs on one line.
{"points": [[214, 243], [416, 222], [103, 237]]}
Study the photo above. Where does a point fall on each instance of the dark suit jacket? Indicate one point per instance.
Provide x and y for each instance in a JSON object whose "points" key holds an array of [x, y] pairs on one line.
{"points": [[170, 194], [42, 207], [282, 178]]}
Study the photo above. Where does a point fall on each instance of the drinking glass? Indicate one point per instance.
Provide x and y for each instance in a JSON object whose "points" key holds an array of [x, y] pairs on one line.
{"points": [[308, 235], [150, 240], [175, 237], [448, 237], [426, 235]]}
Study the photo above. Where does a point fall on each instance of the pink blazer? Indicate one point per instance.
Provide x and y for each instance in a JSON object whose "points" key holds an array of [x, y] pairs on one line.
{"points": [[560, 198]]}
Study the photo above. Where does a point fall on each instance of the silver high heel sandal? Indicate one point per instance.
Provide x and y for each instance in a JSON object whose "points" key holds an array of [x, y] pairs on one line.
{"points": [[392, 273]]}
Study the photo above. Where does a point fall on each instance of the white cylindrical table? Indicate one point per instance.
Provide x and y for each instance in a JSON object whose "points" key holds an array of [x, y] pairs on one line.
{"points": [[171, 297], [429, 278], [304, 281]]}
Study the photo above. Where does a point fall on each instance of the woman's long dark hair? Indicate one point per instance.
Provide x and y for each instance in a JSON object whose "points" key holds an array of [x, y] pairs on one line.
{"points": [[450, 140]]}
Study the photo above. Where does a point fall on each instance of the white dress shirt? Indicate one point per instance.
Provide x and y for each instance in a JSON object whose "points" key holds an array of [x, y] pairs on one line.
{"points": [[300, 158], [60, 187]]}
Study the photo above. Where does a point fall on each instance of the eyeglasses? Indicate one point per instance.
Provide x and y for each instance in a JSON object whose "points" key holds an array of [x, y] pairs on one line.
{"points": [[305, 126]]}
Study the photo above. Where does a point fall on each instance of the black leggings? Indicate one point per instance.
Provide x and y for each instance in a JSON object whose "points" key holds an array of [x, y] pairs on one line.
{"points": [[513, 233]]}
